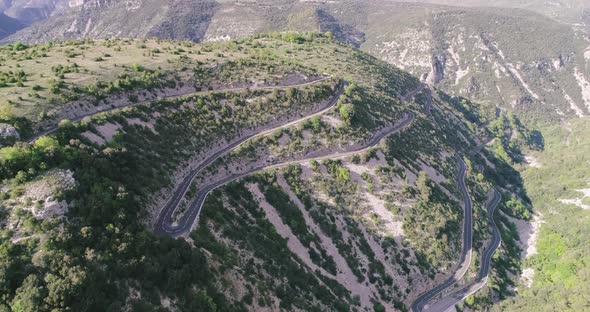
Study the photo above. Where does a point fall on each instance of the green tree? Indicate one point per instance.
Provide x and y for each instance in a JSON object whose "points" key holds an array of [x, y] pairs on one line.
{"points": [[29, 296], [316, 124], [65, 123], [346, 112], [343, 174], [423, 187]]}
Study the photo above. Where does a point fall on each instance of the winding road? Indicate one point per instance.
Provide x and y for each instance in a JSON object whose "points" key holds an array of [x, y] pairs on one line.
{"points": [[187, 221], [164, 226], [131, 104], [466, 250], [449, 301]]}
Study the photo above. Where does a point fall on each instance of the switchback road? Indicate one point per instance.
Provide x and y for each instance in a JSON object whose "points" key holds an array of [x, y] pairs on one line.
{"points": [[448, 302], [164, 224], [187, 221], [131, 104], [466, 250], [421, 303]]}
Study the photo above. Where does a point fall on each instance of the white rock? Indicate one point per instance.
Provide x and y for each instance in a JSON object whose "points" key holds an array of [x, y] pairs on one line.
{"points": [[8, 131]]}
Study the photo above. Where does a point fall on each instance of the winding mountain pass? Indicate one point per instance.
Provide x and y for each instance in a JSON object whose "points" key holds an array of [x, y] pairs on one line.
{"points": [[54, 128], [448, 302], [163, 225], [466, 250], [172, 204], [445, 303], [187, 221]]}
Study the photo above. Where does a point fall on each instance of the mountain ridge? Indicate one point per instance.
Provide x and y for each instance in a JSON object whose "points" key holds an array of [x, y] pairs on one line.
{"points": [[470, 52]]}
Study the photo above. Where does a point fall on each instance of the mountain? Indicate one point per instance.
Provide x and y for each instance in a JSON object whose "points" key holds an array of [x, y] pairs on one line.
{"points": [[507, 58], [8, 25], [332, 179], [496, 56], [294, 155], [137, 18], [30, 11], [574, 12]]}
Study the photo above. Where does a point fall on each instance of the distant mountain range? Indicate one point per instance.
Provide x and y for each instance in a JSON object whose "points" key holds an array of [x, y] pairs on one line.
{"points": [[9, 25], [510, 58]]}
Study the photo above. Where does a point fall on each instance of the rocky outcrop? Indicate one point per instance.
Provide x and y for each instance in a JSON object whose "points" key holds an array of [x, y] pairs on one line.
{"points": [[437, 70], [342, 32], [8, 133], [45, 194]]}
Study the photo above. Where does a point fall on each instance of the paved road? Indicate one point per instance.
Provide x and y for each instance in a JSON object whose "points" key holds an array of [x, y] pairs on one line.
{"points": [[466, 250], [413, 93], [445, 303], [481, 145], [185, 224], [163, 224], [448, 302], [130, 104]]}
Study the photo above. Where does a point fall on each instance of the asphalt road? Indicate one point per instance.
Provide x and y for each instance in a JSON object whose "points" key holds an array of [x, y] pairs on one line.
{"points": [[162, 225], [130, 104], [448, 302], [465, 259], [478, 148], [184, 225], [413, 93]]}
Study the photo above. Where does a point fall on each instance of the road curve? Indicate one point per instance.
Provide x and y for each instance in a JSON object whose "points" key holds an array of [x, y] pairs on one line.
{"points": [[163, 224], [187, 221], [480, 146], [466, 250], [445, 303], [170, 206], [413, 93], [448, 302], [130, 104]]}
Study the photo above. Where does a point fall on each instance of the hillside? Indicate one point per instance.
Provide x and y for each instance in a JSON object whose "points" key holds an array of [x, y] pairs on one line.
{"points": [[556, 270], [574, 12], [357, 206], [186, 19], [510, 58], [293, 163], [8, 25]]}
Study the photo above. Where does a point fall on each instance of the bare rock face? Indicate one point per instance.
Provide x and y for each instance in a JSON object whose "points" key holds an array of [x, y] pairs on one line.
{"points": [[8, 133], [129, 4], [437, 71], [30, 11], [342, 32], [45, 192]]}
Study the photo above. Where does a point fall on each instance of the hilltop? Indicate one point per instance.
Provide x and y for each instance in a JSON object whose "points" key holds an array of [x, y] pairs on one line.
{"points": [[133, 118]]}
